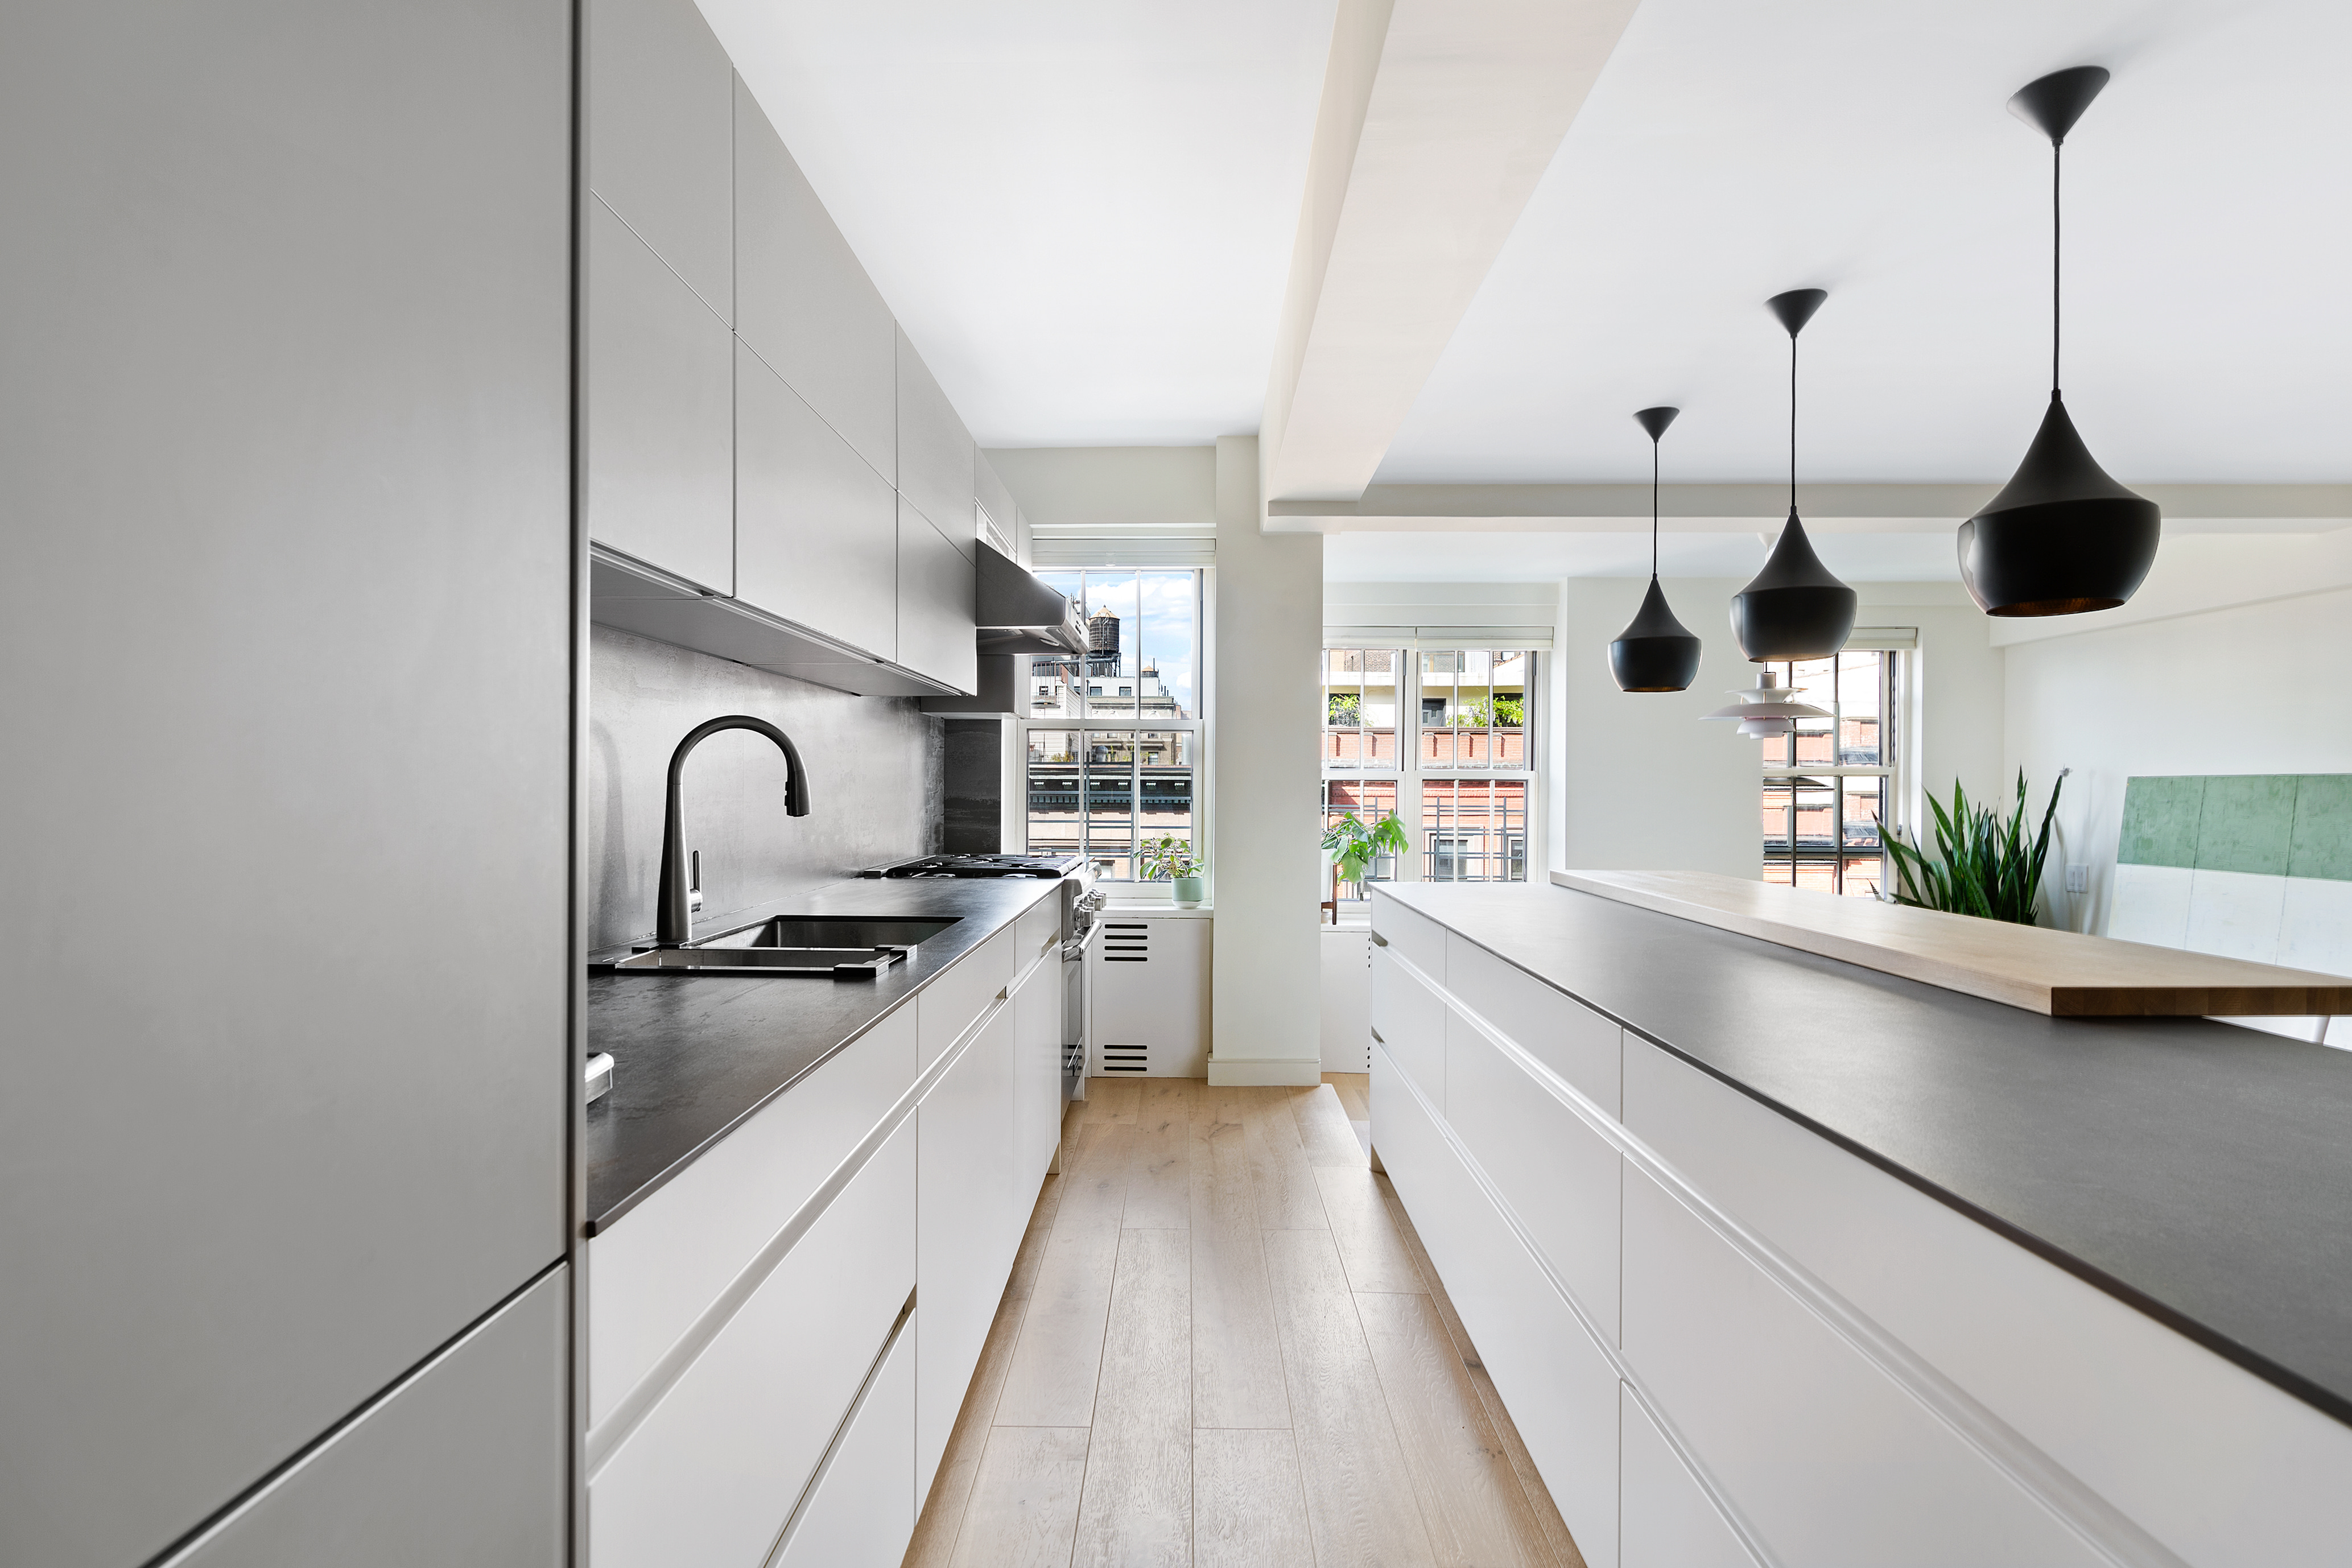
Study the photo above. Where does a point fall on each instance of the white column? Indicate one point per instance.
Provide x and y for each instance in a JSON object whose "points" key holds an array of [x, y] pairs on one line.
{"points": [[1265, 863]]}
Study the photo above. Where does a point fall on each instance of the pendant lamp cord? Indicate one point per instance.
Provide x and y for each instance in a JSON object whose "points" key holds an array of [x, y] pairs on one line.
{"points": [[2056, 144], [1653, 508], [1792, 422]]}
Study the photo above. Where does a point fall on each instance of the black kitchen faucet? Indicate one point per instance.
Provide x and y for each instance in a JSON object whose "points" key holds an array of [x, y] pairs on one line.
{"points": [[670, 921]]}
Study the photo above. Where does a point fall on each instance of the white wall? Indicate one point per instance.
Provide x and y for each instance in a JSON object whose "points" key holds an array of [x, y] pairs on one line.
{"points": [[1266, 863], [2249, 688], [1112, 487], [1644, 784]]}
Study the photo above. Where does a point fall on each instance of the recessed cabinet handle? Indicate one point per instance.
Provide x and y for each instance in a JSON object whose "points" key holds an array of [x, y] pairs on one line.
{"points": [[1379, 940], [1376, 1038]]}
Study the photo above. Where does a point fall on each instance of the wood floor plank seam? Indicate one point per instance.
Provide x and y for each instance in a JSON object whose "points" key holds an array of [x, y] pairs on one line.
{"points": [[1125, 1411]]}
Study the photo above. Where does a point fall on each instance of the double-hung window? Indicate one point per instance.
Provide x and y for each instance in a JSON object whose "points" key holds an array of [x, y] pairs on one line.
{"points": [[1112, 737], [1442, 739], [1827, 787]]}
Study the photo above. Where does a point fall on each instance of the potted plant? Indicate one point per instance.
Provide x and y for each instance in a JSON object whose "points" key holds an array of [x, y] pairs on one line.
{"points": [[1353, 847], [1990, 868], [1174, 859]]}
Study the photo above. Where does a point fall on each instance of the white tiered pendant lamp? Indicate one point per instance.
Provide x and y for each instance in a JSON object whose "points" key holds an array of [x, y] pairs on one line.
{"points": [[1767, 708]]}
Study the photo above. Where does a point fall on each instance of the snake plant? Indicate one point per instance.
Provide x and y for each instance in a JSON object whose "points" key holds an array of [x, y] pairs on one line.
{"points": [[1988, 869]]}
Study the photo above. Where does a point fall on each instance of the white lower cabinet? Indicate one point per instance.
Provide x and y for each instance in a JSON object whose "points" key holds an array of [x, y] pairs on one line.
{"points": [[1831, 1459], [1728, 1341], [1036, 1073], [1666, 1520], [966, 1226], [710, 1473], [1559, 1387], [1557, 1174], [1410, 1021], [860, 1510]]}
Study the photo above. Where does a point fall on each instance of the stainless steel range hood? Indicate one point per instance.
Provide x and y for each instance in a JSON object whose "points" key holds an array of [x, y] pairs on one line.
{"points": [[1017, 614], [1018, 618]]}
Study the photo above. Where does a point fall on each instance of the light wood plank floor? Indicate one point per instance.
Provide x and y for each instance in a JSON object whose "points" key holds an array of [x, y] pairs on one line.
{"points": [[1223, 1347]]}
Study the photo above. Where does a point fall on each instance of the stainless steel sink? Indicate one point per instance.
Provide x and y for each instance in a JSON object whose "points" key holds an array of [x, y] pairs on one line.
{"points": [[793, 930], [790, 945], [825, 962]]}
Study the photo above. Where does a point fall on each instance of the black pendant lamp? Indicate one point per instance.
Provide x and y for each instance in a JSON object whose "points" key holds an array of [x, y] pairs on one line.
{"points": [[1655, 652], [1796, 607], [2061, 537]]}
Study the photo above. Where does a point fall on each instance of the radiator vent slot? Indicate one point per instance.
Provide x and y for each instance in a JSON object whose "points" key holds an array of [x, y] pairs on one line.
{"points": [[1129, 942], [1126, 1059]]}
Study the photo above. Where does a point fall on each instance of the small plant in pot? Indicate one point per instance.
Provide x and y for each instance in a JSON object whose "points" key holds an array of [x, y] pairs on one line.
{"points": [[1352, 846], [1173, 859]]}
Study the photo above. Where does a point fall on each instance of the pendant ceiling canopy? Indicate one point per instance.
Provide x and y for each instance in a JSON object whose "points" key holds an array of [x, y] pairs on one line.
{"points": [[2061, 537], [1796, 607], [1655, 652]]}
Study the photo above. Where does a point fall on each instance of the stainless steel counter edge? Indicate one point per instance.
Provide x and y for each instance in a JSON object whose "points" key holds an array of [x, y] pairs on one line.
{"points": [[2334, 1403], [638, 1142]]}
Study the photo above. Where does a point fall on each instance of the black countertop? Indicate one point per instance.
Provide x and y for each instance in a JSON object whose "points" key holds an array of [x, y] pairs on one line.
{"points": [[2199, 1171], [695, 1055]]}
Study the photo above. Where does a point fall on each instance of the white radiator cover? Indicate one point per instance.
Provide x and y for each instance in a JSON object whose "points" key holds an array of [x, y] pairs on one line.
{"points": [[1150, 1016]]}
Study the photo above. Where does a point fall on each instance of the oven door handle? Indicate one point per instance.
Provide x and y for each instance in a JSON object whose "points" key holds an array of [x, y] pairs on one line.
{"points": [[1075, 948]]}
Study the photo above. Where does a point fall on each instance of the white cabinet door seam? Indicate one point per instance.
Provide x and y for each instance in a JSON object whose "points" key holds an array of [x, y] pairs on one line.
{"points": [[848, 1420], [814, 412], [651, 250]]}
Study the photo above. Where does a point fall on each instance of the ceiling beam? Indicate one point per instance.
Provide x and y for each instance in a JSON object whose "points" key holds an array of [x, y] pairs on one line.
{"points": [[1438, 118], [1741, 508]]}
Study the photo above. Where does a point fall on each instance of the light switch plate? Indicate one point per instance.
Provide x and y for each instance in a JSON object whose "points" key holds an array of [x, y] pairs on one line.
{"points": [[2078, 879]]}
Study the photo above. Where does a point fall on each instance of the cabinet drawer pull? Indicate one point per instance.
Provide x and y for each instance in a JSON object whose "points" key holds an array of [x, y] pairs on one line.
{"points": [[1379, 940], [1376, 1038]]}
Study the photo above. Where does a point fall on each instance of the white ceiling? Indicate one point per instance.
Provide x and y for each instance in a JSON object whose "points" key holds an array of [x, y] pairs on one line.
{"points": [[1081, 210], [1731, 150]]}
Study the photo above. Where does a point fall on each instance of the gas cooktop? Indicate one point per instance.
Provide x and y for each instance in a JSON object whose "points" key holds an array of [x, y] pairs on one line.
{"points": [[1046, 866]]}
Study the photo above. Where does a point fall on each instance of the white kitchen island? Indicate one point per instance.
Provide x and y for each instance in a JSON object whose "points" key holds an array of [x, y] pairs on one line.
{"points": [[1778, 1261]]}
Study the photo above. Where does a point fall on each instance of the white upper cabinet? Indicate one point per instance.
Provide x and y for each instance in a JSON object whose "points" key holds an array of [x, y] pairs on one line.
{"points": [[659, 413], [817, 530], [993, 498], [801, 300], [936, 586], [660, 110], [935, 454]]}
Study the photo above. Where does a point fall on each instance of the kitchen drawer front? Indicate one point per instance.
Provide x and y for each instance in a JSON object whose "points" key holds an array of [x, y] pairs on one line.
{"points": [[1567, 1036], [952, 1004], [969, 1224], [1409, 1020], [662, 1265], [1415, 936], [860, 1511], [1827, 1457], [1667, 1518], [1559, 1174], [1037, 932], [714, 1469], [2220, 1466], [1559, 1387]]}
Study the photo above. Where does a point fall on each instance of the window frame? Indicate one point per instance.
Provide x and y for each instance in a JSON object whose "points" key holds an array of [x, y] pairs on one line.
{"points": [[1522, 847], [1131, 723], [1895, 674]]}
